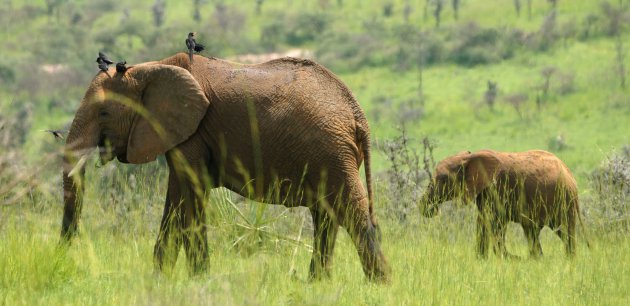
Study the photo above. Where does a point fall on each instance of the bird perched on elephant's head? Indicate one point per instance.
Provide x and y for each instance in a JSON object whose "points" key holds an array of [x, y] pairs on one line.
{"points": [[103, 61], [121, 67]]}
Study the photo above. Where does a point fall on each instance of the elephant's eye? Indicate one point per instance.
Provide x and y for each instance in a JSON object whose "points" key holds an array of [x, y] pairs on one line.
{"points": [[103, 113]]}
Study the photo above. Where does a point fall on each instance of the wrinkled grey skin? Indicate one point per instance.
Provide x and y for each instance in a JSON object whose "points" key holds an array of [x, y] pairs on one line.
{"points": [[285, 132]]}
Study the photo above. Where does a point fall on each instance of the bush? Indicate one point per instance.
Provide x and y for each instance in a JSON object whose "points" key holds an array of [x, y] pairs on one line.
{"points": [[611, 182], [305, 27], [350, 51], [7, 75], [407, 174], [473, 45], [415, 46]]}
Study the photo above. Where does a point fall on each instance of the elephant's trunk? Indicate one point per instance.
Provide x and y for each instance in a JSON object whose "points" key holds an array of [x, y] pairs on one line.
{"points": [[82, 138], [428, 202]]}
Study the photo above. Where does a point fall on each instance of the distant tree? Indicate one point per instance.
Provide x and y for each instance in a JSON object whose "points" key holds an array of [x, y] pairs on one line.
{"points": [[126, 14], [437, 12], [158, 12], [621, 68], [259, 4], [517, 7], [517, 100], [545, 87], [490, 95], [197, 10], [529, 9], [53, 7], [340, 3], [388, 8], [323, 4], [455, 5], [617, 17], [548, 32], [407, 10], [422, 53], [554, 4]]}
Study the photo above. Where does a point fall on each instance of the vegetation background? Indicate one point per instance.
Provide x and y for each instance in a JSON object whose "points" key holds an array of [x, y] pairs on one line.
{"points": [[435, 77]]}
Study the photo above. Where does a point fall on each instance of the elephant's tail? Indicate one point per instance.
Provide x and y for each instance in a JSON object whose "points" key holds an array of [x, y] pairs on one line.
{"points": [[364, 141]]}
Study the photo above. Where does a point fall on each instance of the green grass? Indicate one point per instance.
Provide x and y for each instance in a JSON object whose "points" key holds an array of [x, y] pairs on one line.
{"points": [[433, 262]]}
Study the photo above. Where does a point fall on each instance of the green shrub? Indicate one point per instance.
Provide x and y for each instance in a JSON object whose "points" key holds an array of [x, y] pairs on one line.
{"points": [[611, 182]]}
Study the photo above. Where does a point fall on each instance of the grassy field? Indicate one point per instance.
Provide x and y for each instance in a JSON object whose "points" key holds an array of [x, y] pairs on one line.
{"points": [[433, 263], [255, 259]]}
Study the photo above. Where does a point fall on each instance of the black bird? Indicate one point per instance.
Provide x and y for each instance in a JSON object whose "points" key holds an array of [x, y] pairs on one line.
{"points": [[104, 57], [192, 45], [199, 47], [120, 67], [57, 133], [103, 61]]}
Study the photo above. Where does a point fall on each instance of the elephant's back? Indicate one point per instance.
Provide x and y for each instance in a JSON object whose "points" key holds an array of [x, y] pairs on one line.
{"points": [[286, 83], [299, 96]]}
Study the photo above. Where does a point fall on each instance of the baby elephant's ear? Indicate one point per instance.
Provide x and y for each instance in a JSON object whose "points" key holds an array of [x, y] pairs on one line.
{"points": [[173, 105], [480, 171]]}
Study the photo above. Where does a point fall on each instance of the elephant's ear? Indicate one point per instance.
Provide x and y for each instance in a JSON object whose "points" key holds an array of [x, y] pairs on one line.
{"points": [[480, 170], [173, 105]]}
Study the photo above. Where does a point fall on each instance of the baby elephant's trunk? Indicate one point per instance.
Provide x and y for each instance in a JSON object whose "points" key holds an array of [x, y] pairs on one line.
{"points": [[428, 204]]}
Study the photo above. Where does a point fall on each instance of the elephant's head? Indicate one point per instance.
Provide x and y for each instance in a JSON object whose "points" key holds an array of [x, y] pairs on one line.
{"points": [[460, 176], [133, 116]]}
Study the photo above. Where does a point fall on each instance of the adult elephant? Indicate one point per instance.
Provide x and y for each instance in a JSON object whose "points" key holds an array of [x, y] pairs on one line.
{"points": [[287, 131], [533, 188]]}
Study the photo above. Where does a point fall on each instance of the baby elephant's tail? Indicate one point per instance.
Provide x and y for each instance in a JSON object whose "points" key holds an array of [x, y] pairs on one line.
{"points": [[584, 234]]}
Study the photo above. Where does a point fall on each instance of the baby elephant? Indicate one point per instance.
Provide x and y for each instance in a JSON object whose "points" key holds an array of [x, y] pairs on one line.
{"points": [[533, 188]]}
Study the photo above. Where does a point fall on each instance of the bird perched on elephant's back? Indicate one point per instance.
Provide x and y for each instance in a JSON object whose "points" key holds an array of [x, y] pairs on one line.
{"points": [[287, 131], [193, 46], [533, 188]]}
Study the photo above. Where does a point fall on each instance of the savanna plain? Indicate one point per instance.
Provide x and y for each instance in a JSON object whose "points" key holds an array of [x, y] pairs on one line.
{"points": [[433, 77]]}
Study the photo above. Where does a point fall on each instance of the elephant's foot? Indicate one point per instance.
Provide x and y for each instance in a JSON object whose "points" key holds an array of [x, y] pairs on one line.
{"points": [[535, 254], [198, 267], [509, 256], [375, 265], [380, 271], [319, 272]]}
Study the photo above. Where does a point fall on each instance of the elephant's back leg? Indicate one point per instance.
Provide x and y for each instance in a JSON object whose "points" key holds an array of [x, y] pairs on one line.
{"points": [[347, 198], [532, 232]]}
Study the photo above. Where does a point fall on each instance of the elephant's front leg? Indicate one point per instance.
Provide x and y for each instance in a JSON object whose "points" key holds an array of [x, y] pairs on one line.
{"points": [[499, 229], [186, 193], [195, 232], [169, 238], [325, 231], [532, 232], [483, 225], [483, 239]]}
